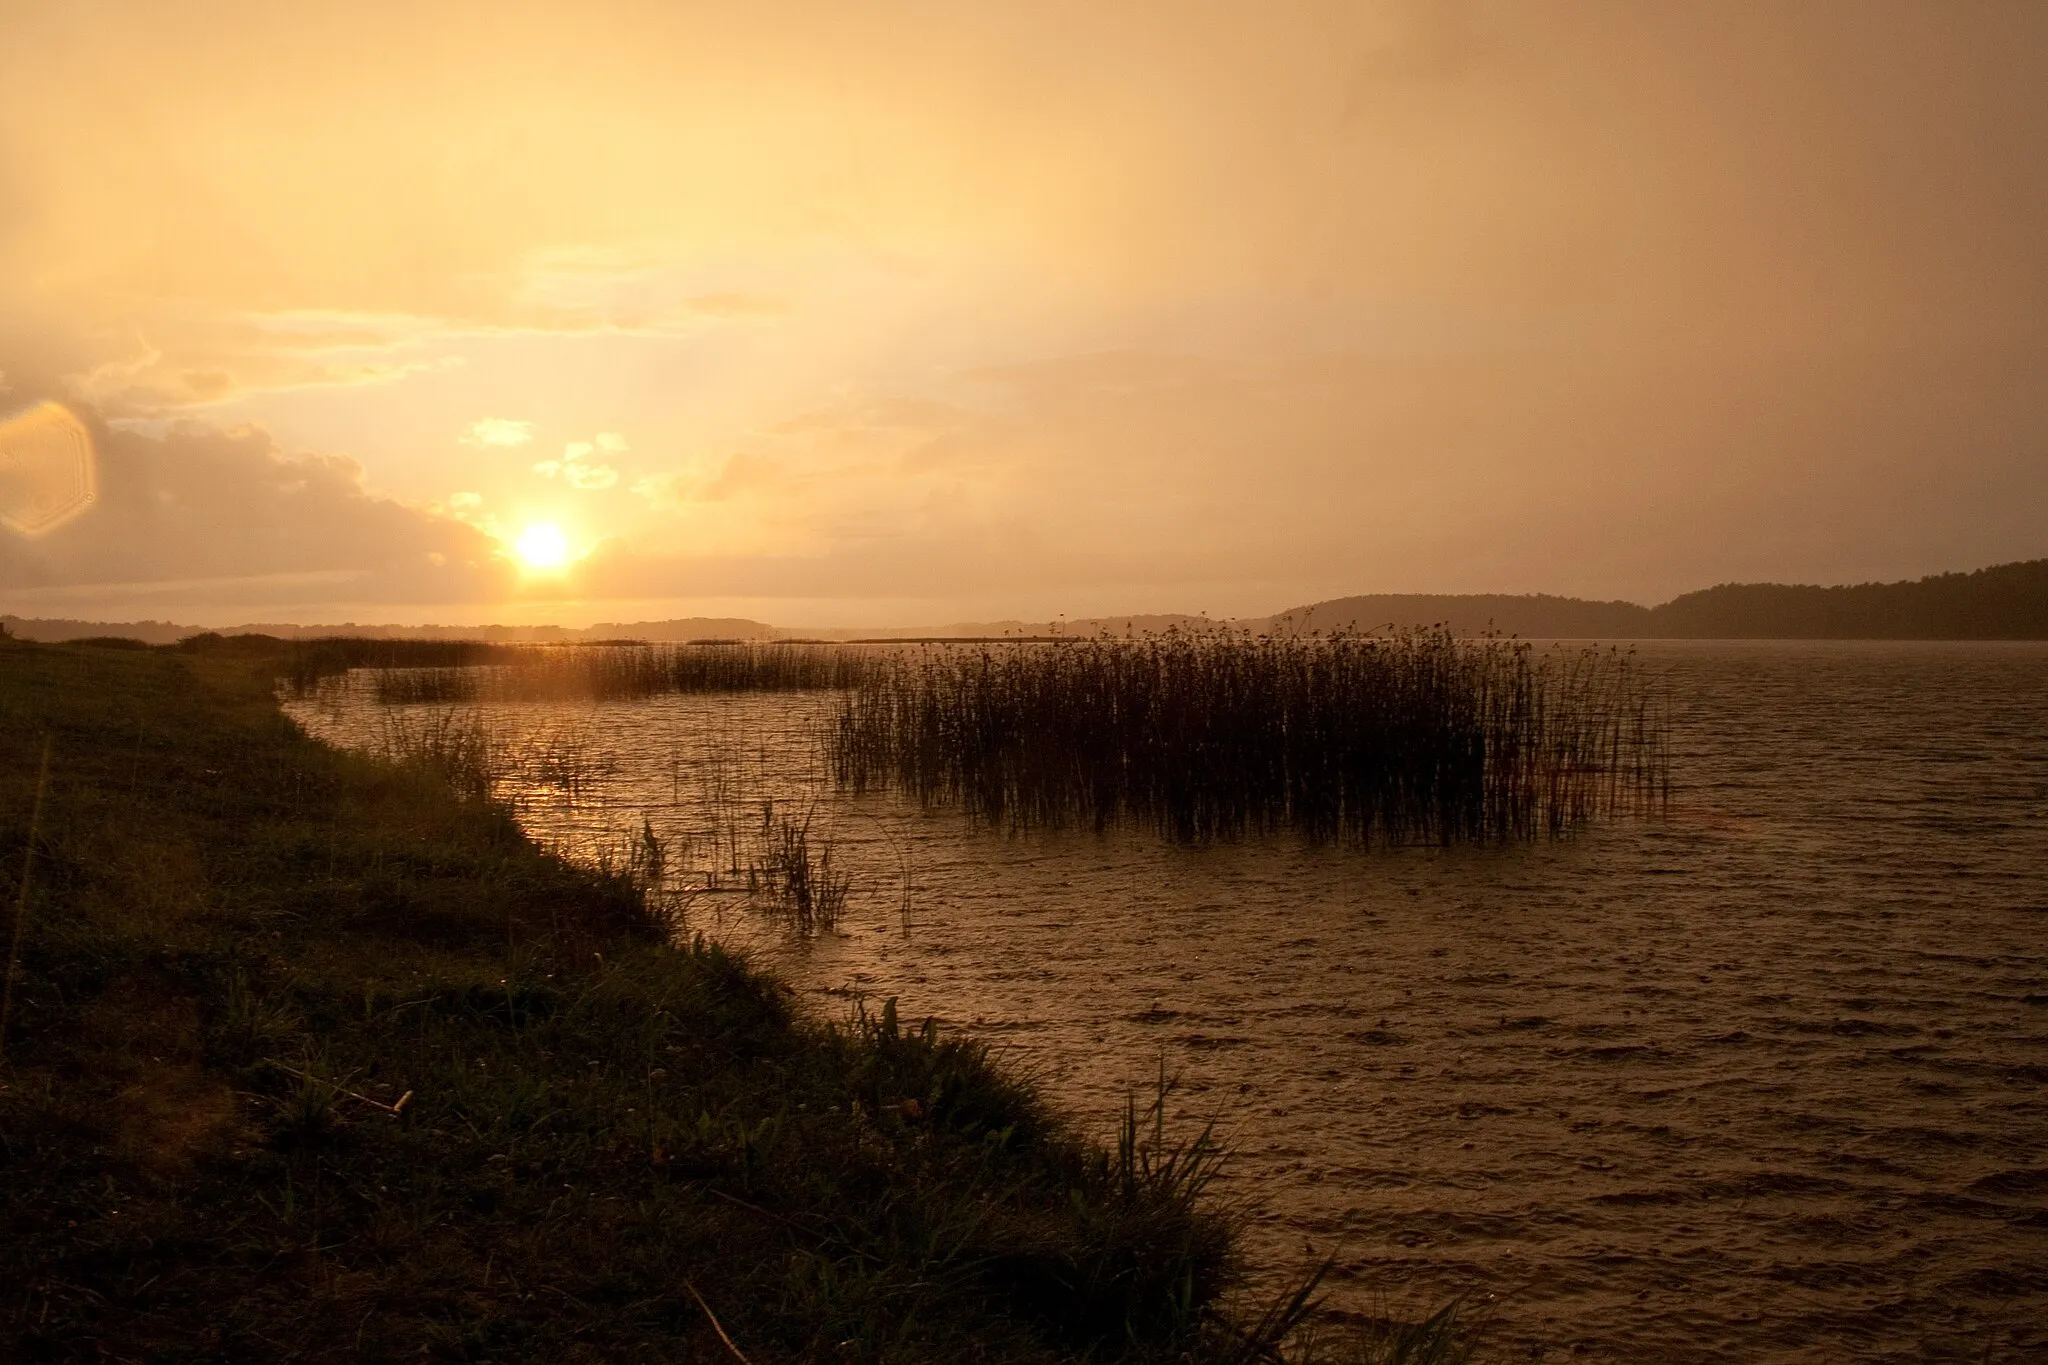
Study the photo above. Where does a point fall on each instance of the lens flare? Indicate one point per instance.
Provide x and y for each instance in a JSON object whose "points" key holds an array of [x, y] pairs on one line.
{"points": [[47, 473]]}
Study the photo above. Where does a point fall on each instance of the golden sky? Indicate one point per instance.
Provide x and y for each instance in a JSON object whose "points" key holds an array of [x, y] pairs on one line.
{"points": [[850, 312]]}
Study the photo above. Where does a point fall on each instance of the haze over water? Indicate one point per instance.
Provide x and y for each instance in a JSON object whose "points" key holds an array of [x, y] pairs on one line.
{"points": [[1762, 1080]]}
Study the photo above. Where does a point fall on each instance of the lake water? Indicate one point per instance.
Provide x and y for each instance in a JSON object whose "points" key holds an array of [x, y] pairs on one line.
{"points": [[1763, 1080]]}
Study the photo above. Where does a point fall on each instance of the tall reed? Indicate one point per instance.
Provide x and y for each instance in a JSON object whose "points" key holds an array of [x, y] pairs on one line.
{"points": [[309, 663], [799, 881], [1416, 737], [447, 746], [625, 671]]}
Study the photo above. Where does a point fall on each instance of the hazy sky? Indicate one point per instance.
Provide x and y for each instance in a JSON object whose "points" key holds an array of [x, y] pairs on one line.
{"points": [[836, 312]]}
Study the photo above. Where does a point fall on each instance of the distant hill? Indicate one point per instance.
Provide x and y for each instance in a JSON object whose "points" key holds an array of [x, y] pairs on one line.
{"points": [[683, 628], [1539, 617], [53, 630], [2005, 602], [1086, 627]]}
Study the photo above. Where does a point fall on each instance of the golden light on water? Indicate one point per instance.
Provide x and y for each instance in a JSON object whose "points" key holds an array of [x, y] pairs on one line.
{"points": [[543, 548]]}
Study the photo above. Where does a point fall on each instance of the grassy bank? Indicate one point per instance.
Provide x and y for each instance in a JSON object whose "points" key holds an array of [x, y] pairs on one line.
{"points": [[310, 1058]]}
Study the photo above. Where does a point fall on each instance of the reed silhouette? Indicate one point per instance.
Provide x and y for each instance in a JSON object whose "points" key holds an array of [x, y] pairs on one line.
{"points": [[1414, 737], [626, 671]]}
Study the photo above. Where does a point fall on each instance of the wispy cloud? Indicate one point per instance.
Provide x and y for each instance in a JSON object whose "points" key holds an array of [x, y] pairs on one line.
{"points": [[589, 477], [649, 287], [497, 433], [578, 470]]}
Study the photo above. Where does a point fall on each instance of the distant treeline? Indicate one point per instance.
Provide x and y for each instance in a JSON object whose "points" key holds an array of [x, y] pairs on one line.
{"points": [[2006, 602]]}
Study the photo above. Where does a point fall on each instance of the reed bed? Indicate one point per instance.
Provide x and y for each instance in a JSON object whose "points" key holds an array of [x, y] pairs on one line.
{"points": [[1417, 737], [308, 664], [628, 671]]}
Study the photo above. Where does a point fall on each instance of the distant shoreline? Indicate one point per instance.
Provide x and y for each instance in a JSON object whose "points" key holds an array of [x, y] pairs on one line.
{"points": [[2003, 602]]}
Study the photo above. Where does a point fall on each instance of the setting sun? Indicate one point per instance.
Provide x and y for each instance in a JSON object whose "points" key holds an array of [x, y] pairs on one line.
{"points": [[542, 548]]}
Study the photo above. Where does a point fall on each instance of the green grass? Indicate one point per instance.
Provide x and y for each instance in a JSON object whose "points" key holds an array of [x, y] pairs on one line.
{"points": [[242, 949], [312, 1057]]}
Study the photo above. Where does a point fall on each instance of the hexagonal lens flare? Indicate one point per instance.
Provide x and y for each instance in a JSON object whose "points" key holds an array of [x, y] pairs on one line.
{"points": [[48, 474]]}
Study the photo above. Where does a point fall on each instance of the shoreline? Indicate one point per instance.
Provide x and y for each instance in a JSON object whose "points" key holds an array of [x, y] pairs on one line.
{"points": [[244, 950]]}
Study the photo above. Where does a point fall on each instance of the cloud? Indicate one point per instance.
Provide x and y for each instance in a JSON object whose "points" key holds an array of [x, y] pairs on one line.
{"points": [[208, 385], [173, 356], [650, 287], [497, 433], [230, 510], [736, 305], [575, 467], [589, 477], [665, 492], [1418, 293]]}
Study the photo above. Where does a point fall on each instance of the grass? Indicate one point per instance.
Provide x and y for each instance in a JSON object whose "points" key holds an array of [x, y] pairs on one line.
{"points": [[798, 875], [785, 863], [1417, 737], [617, 672], [305, 664], [314, 1057], [1414, 737]]}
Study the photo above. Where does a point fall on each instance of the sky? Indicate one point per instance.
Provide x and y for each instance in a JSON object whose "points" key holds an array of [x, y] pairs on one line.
{"points": [[846, 312]]}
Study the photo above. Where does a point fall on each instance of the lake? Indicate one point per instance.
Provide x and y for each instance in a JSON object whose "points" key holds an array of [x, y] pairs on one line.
{"points": [[1765, 1079]]}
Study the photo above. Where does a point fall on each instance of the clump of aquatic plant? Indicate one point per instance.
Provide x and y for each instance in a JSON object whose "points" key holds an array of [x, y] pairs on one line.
{"points": [[449, 746], [309, 663], [797, 877], [613, 672], [1414, 737], [564, 758]]}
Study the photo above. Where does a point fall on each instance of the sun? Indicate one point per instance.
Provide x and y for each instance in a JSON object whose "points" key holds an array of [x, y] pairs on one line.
{"points": [[542, 548]]}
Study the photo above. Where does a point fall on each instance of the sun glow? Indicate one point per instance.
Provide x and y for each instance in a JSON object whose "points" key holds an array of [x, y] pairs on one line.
{"points": [[542, 548]]}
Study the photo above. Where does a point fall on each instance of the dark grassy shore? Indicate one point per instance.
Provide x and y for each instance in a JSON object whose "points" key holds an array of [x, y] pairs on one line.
{"points": [[311, 1058]]}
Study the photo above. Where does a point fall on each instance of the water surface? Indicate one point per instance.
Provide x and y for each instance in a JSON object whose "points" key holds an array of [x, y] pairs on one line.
{"points": [[1760, 1081]]}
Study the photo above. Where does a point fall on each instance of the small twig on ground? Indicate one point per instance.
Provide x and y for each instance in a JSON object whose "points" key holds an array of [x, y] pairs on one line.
{"points": [[395, 1108], [737, 1353]]}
